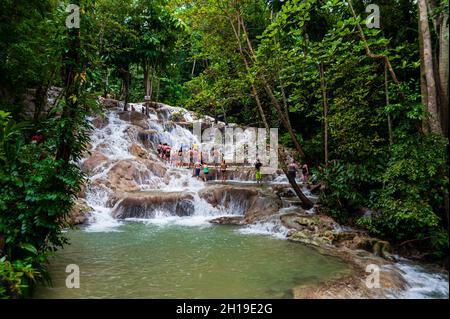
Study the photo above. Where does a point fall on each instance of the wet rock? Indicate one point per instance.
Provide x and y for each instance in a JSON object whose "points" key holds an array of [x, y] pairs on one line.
{"points": [[79, 214], [147, 205], [126, 175], [135, 118], [283, 191], [109, 103], [229, 220], [100, 122], [95, 160], [309, 238], [262, 206], [156, 168], [138, 151], [376, 246], [251, 202]]}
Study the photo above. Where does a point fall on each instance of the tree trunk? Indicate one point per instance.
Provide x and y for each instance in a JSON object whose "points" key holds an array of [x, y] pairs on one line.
{"points": [[423, 83], [126, 82], [71, 80], [146, 78], [105, 87], [443, 71], [325, 112], [247, 68], [260, 109], [285, 120], [158, 82], [193, 68], [305, 200], [369, 53], [432, 106], [386, 88], [40, 101], [150, 92]]}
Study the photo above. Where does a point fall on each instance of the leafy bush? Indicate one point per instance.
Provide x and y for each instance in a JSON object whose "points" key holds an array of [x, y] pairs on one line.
{"points": [[347, 188], [36, 192], [407, 192]]}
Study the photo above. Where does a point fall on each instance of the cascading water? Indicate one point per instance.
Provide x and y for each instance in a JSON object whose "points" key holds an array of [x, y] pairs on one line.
{"points": [[114, 141], [151, 178]]}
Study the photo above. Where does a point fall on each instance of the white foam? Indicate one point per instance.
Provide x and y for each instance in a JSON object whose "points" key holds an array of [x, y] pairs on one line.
{"points": [[272, 228], [422, 283]]}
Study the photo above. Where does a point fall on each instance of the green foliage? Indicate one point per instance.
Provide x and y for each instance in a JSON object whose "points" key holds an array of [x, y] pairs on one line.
{"points": [[36, 193], [410, 202], [17, 277]]}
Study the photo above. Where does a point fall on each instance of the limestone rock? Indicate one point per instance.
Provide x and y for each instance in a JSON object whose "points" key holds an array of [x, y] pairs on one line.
{"points": [[100, 122], [229, 220], [138, 151], [249, 202], [126, 174], [94, 160], [79, 213], [146, 205], [135, 118], [109, 103], [376, 246]]}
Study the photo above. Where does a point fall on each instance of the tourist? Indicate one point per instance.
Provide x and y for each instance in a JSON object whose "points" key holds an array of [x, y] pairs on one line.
{"points": [[195, 155], [168, 152], [258, 174], [292, 169], [191, 157], [197, 168], [205, 172], [216, 155], [223, 170], [305, 173], [180, 157], [159, 149]]}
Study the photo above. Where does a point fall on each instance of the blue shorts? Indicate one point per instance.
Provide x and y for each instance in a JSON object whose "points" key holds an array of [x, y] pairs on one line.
{"points": [[197, 172]]}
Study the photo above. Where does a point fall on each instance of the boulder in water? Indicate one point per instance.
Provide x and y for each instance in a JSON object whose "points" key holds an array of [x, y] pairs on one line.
{"points": [[94, 160], [147, 205], [135, 118], [125, 175], [138, 151], [109, 103], [250, 202], [228, 220], [79, 214], [100, 122]]}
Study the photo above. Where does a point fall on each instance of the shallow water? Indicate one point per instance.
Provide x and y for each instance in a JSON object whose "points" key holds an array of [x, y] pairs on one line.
{"points": [[152, 261]]}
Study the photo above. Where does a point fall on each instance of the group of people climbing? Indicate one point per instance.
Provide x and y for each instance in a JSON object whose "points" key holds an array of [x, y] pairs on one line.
{"points": [[293, 167], [164, 151], [199, 161]]}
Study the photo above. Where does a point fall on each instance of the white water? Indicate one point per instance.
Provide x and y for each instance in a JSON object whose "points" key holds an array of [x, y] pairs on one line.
{"points": [[422, 283], [114, 141]]}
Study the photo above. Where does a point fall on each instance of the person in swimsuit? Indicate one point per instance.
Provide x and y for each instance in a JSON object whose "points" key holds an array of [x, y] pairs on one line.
{"points": [[197, 169], [305, 173], [292, 169], [223, 170]]}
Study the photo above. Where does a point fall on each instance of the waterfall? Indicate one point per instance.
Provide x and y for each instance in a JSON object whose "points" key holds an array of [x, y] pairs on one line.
{"points": [[111, 143]]}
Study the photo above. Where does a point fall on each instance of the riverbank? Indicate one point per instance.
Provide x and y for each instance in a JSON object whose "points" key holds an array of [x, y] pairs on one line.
{"points": [[128, 181]]}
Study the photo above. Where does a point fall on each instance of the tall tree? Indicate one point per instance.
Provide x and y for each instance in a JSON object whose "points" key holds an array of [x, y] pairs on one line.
{"points": [[429, 70]]}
